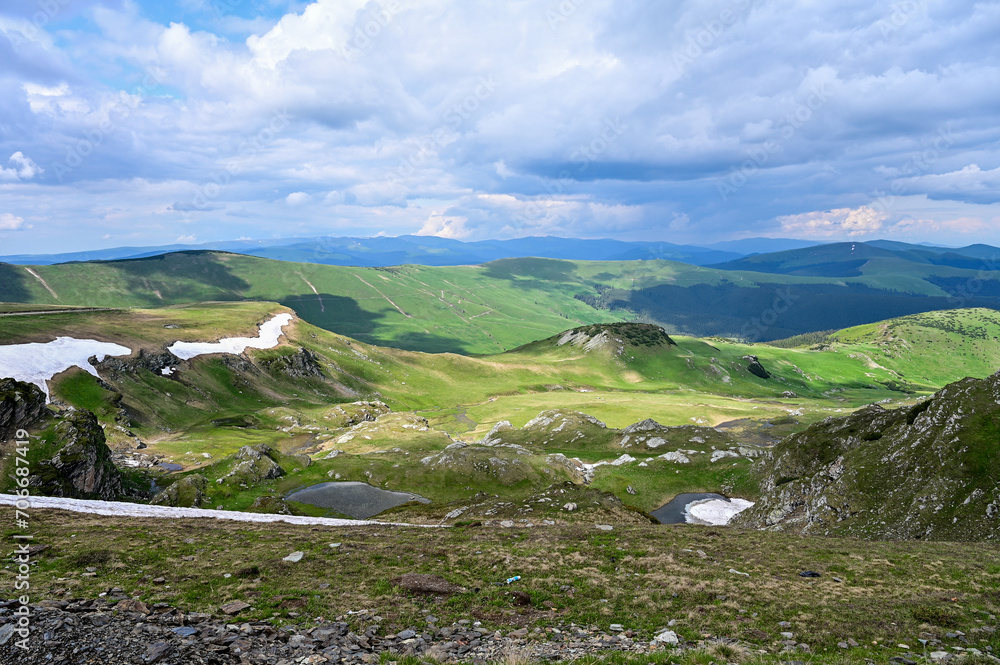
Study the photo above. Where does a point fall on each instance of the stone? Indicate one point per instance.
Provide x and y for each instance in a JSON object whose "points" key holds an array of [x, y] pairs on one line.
{"points": [[6, 632], [234, 607], [569, 507], [294, 557], [184, 631], [616, 627], [406, 634], [809, 573], [132, 605], [158, 651], [667, 637], [604, 527]]}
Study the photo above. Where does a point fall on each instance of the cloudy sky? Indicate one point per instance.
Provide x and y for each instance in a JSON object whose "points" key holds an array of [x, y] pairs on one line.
{"points": [[143, 122]]}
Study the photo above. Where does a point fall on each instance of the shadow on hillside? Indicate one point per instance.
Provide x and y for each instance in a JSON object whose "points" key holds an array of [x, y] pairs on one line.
{"points": [[343, 316], [12, 285], [773, 311], [531, 273], [180, 277]]}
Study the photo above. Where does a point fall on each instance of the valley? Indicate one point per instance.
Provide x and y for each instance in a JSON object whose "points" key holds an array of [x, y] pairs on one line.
{"points": [[412, 388]]}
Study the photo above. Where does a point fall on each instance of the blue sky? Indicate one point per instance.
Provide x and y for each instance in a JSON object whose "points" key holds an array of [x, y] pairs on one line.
{"points": [[144, 123]]}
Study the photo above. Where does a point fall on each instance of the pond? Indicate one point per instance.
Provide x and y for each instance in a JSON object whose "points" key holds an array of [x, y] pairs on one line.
{"points": [[703, 508], [357, 500]]}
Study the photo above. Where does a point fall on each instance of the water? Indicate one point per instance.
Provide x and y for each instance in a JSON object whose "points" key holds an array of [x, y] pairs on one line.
{"points": [[675, 511], [170, 466], [357, 500], [712, 509]]}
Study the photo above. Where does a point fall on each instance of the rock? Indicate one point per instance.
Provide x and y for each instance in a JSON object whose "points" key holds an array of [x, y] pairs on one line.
{"points": [[132, 605], [507, 524], [6, 633], [755, 368], [722, 454], [187, 492], [676, 457], [184, 631], [903, 660], [667, 637], [630, 490], [569, 507], [616, 627], [158, 651], [406, 634], [234, 607], [294, 557], [604, 527], [22, 405], [83, 466], [301, 365], [424, 583], [809, 573], [940, 656]]}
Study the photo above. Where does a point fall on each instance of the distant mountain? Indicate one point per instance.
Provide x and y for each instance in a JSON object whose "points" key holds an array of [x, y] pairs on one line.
{"points": [[410, 250], [854, 259], [748, 246]]}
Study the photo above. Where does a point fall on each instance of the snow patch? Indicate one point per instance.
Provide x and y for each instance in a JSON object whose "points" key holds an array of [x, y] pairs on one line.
{"points": [[270, 331], [122, 509], [37, 363], [714, 512]]}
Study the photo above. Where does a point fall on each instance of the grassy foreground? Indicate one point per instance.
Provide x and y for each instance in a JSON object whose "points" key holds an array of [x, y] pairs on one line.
{"points": [[642, 577]]}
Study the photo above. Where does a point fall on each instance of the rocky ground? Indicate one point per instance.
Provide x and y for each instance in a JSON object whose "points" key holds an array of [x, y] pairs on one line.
{"points": [[127, 631]]}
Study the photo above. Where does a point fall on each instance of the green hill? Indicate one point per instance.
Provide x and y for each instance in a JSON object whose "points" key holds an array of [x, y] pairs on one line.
{"points": [[508, 303], [929, 471]]}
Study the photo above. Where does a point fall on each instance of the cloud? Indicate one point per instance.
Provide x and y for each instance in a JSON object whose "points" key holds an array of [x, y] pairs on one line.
{"points": [[839, 223], [970, 183], [22, 168], [607, 118], [187, 239], [9, 222], [297, 198]]}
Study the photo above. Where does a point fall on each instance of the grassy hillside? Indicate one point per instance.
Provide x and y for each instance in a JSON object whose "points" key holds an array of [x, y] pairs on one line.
{"points": [[287, 398], [507, 303], [889, 599]]}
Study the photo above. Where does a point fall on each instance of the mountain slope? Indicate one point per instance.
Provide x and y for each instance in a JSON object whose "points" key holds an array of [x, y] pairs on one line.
{"points": [[929, 471]]}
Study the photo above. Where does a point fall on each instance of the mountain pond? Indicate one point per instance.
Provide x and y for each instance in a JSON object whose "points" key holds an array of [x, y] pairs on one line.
{"points": [[355, 499], [705, 508]]}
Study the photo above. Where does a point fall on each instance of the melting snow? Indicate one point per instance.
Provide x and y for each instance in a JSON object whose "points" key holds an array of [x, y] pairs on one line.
{"points": [[37, 363], [715, 512], [121, 509], [270, 331]]}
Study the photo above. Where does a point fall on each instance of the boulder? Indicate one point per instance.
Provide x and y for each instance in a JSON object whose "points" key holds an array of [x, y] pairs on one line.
{"points": [[188, 492], [83, 467], [22, 405]]}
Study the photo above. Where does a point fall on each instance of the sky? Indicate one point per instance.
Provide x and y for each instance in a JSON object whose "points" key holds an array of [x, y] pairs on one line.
{"points": [[150, 122]]}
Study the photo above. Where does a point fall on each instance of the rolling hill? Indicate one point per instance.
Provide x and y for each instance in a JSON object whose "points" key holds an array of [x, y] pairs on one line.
{"points": [[506, 303]]}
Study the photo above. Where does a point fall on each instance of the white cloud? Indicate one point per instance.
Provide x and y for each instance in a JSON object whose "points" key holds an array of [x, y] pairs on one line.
{"points": [[970, 183], [842, 222], [187, 239], [297, 198], [444, 227], [9, 222], [22, 168]]}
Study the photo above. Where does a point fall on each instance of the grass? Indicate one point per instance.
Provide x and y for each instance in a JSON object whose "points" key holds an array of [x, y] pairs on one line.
{"points": [[467, 309], [639, 576]]}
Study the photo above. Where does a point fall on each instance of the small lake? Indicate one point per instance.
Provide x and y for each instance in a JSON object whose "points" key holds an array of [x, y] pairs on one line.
{"points": [[703, 508], [170, 466], [357, 500]]}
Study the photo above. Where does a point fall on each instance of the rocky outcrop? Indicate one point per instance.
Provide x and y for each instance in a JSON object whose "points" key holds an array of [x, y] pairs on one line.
{"points": [[254, 464], [152, 361], [188, 492], [615, 337], [928, 471], [82, 468], [301, 365], [755, 368], [22, 405]]}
